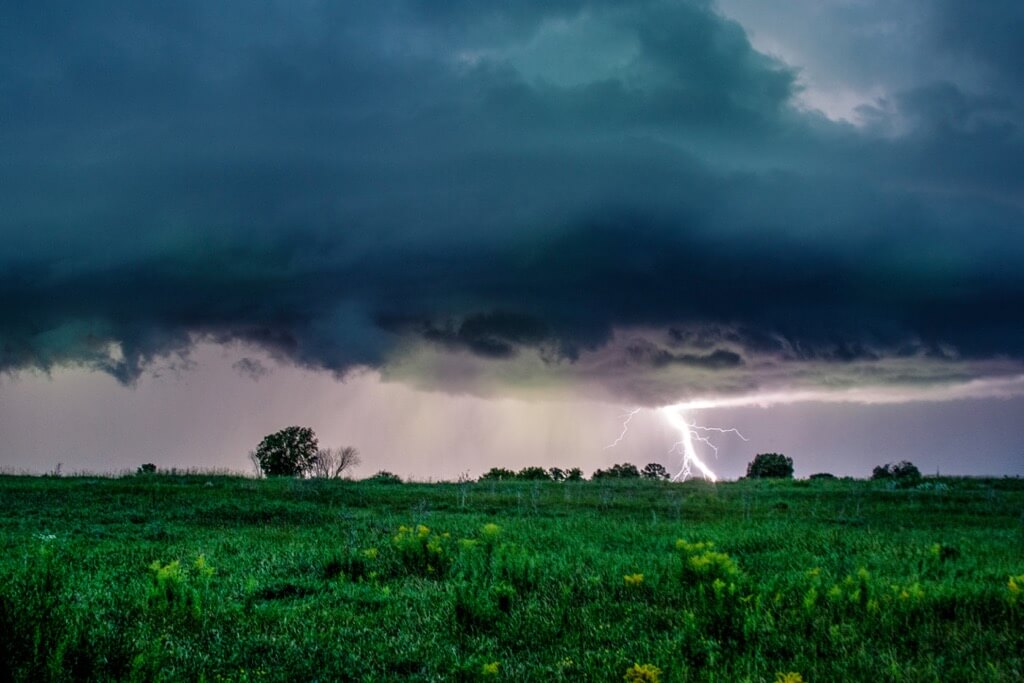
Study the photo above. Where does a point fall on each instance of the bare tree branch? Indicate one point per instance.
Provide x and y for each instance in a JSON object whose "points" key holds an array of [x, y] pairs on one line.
{"points": [[257, 466], [331, 463]]}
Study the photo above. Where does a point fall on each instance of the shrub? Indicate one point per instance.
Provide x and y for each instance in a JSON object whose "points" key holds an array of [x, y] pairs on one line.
{"points": [[903, 473], [290, 452], [822, 475], [146, 468], [385, 477], [770, 466]]}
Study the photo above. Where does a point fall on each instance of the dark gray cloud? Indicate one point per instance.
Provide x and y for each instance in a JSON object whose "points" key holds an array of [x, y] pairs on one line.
{"points": [[253, 368], [339, 183]]}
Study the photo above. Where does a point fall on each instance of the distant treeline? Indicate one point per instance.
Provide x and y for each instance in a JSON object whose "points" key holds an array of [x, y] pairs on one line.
{"points": [[623, 471]]}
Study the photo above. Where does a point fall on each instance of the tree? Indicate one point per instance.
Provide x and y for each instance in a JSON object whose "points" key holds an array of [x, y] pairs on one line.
{"points": [[770, 466], [290, 452], [654, 470], [497, 474], [331, 463], [146, 468], [904, 473], [556, 474], [623, 471], [533, 474], [575, 474]]}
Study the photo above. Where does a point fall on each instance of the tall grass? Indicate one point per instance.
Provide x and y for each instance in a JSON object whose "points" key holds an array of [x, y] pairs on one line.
{"points": [[180, 577]]}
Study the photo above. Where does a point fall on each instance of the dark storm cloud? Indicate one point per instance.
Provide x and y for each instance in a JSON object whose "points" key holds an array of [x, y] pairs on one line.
{"points": [[334, 182], [645, 352]]}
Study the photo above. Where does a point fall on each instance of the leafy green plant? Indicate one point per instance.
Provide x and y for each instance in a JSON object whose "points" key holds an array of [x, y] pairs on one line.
{"points": [[177, 591], [423, 551]]}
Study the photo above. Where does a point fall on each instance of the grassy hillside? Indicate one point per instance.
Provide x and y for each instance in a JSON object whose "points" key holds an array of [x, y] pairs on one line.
{"points": [[227, 579]]}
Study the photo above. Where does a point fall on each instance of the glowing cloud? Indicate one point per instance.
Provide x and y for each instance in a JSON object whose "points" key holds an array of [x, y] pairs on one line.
{"points": [[991, 387]]}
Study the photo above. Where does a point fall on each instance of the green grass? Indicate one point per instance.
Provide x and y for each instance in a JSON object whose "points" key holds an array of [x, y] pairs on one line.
{"points": [[314, 580]]}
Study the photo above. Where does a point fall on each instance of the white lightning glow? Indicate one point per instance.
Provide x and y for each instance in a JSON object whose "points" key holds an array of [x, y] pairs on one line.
{"points": [[688, 433], [625, 428]]}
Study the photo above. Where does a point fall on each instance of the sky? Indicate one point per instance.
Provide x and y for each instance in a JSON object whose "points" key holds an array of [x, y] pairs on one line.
{"points": [[468, 234]]}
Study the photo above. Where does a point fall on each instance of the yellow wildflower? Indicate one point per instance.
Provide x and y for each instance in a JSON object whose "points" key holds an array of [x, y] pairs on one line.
{"points": [[1015, 586], [490, 669], [422, 530], [690, 548], [490, 531], [642, 673], [202, 567], [789, 677], [633, 579], [370, 553]]}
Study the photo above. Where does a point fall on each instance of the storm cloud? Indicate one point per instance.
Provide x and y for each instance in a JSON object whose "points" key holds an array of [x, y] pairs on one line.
{"points": [[628, 193]]}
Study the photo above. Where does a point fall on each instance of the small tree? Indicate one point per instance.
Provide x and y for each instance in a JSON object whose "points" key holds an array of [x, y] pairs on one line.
{"points": [[533, 474], [904, 473], [654, 470], [556, 474], [331, 463], [770, 466], [575, 474], [145, 468], [290, 452]]}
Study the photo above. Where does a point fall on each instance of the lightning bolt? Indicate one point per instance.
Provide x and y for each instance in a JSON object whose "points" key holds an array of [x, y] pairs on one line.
{"points": [[688, 433], [625, 428]]}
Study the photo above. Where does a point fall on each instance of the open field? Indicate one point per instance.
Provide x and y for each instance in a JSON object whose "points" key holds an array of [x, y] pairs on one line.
{"points": [[229, 579]]}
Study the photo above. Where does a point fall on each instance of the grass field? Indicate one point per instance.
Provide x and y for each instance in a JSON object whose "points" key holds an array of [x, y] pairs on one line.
{"points": [[164, 577]]}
